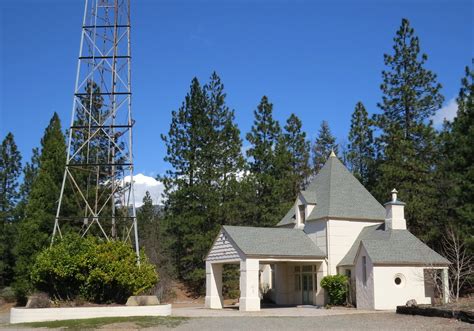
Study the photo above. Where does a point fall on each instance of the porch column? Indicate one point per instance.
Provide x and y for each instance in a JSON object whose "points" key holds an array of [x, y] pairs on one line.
{"points": [[320, 293], [213, 285], [445, 285], [249, 298]]}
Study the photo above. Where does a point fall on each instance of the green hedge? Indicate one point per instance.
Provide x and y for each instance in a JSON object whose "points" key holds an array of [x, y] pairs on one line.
{"points": [[336, 287], [93, 270]]}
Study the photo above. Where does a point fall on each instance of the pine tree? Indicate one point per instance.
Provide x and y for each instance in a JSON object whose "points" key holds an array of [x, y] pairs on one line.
{"points": [[360, 155], [10, 169], [324, 144], [201, 193], [456, 168], [268, 167], [298, 148], [406, 146], [35, 229], [30, 171]]}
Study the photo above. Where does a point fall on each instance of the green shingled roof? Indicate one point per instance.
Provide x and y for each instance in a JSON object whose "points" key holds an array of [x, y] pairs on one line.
{"points": [[337, 193], [309, 196], [273, 241], [289, 218], [392, 247]]}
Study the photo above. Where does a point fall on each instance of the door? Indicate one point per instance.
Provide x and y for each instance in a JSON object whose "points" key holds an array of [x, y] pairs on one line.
{"points": [[307, 280]]}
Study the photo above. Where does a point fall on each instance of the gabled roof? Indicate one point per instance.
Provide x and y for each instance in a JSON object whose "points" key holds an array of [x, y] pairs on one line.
{"points": [[273, 241], [339, 194], [309, 196], [392, 247], [289, 218]]}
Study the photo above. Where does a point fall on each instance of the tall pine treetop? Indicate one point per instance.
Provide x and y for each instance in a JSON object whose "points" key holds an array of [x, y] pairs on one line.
{"points": [[410, 91], [263, 136], [360, 154], [324, 144], [10, 169]]}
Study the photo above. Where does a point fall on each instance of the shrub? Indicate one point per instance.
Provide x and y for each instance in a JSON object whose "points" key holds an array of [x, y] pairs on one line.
{"points": [[94, 270], [336, 287], [7, 294]]}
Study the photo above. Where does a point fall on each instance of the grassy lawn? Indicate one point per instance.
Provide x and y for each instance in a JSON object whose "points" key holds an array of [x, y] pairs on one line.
{"points": [[93, 323]]}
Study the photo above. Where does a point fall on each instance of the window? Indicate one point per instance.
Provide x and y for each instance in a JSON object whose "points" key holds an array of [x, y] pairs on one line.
{"points": [[399, 280], [364, 270], [307, 268], [348, 273], [302, 214]]}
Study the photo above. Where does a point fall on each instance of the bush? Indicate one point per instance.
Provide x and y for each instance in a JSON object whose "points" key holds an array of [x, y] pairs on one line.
{"points": [[97, 271], [7, 294], [336, 287]]}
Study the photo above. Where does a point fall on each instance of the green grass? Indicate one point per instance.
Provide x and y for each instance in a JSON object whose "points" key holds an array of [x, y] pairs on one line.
{"points": [[93, 323]]}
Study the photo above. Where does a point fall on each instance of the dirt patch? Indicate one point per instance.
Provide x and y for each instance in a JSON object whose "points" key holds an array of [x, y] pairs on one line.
{"points": [[182, 296], [5, 308]]}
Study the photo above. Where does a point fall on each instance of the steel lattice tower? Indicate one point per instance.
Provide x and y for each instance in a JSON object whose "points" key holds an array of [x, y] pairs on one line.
{"points": [[97, 195]]}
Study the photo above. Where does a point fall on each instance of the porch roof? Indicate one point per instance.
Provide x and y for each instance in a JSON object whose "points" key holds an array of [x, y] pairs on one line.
{"points": [[281, 242]]}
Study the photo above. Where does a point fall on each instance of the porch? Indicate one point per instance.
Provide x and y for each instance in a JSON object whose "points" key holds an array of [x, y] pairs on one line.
{"points": [[291, 282]]}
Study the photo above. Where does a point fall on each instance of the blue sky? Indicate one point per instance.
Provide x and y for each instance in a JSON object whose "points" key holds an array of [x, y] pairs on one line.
{"points": [[313, 58]]}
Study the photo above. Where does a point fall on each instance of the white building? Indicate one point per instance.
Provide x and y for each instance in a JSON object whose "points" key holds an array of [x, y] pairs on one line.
{"points": [[335, 226]]}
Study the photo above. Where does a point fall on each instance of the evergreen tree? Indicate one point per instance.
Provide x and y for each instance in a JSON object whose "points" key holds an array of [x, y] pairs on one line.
{"points": [[298, 148], [269, 169], [10, 169], [30, 171], [456, 168], [151, 238], [203, 149], [406, 145], [35, 229], [360, 155], [324, 144]]}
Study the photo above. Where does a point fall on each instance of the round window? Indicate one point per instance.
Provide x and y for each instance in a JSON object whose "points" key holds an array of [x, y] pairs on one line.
{"points": [[399, 280]]}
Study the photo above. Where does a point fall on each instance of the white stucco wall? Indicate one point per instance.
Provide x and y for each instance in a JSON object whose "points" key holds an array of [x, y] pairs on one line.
{"points": [[388, 295], [316, 230], [364, 292], [282, 285], [341, 235], [223, 250]]}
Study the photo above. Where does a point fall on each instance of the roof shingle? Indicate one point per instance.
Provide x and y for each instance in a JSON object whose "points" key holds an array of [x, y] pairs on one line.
{"points": [[273, 241], [392, 247]]}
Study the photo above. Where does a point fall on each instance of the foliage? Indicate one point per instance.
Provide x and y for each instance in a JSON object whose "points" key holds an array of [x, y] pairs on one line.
{"points": [[455, 173], [40, 209], [97, 271], [10, 169], [270, 173], [336, 287], [406, 146], [298, 147], [201, 187], [322, 147], [151, 238], [361, 154]]}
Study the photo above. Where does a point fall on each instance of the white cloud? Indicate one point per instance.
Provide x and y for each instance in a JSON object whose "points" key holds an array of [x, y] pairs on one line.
{"points": [[143, 183], [448, 112]]}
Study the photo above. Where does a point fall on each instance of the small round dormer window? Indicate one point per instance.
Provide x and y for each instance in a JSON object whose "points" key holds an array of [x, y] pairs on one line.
{"points": [[399, 280]]}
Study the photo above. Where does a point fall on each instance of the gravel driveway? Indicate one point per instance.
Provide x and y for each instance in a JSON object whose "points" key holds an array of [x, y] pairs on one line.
{"points": [[380, 321]]}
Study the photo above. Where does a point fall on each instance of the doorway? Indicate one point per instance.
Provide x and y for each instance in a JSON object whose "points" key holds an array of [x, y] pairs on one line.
{"points": [[307, 288]]}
